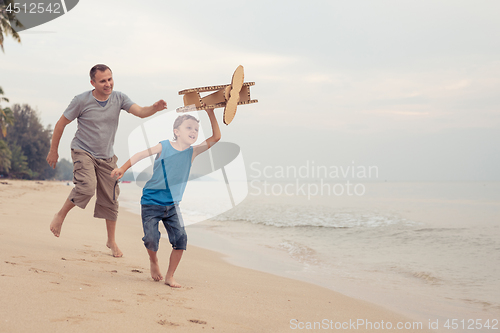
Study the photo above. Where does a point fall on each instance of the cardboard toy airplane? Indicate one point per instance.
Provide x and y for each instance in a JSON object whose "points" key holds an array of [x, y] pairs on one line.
{"points": [[228, 96]]}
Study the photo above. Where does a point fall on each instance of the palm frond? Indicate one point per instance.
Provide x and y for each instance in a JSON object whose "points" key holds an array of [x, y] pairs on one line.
{"points": [[5, 25]]}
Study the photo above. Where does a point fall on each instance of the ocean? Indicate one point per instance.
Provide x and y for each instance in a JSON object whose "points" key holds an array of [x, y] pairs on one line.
{"points": [[427, 250]]}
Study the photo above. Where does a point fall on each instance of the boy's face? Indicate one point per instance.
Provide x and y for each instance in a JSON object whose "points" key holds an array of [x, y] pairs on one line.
{"points": [[187, 131]]}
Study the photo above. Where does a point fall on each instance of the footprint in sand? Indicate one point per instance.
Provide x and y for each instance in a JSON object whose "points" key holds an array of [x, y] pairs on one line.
{"points": [[72, 259], [38, 270], [167, 323]]}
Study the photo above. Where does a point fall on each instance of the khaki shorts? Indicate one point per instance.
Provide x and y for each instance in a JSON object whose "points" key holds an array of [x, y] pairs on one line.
{"points": [[92, 175]]}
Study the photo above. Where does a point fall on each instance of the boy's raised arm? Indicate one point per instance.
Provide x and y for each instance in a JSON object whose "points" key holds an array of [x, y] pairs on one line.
{"points": [[119, 172], [216, 135]]}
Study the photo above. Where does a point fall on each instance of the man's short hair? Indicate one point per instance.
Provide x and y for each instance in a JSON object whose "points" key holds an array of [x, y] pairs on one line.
{"points": [[100, 68]]}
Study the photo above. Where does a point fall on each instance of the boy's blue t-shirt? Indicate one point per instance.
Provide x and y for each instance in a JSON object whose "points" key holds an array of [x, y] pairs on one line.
{"points": [[170, 175]]}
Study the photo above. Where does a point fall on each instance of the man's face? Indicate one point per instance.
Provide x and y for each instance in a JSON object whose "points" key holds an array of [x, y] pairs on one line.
{"points": [[103, 82]]}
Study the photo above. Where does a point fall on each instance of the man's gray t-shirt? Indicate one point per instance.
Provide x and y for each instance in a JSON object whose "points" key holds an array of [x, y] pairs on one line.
{"points": [[97, 125]]}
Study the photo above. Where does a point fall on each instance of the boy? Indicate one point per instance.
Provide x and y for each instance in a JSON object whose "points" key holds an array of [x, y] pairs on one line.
{"points": [[162, 193]]}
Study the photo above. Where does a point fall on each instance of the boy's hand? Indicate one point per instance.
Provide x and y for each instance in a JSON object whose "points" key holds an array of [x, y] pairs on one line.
{"points": [[118, 172], [208, 110]]}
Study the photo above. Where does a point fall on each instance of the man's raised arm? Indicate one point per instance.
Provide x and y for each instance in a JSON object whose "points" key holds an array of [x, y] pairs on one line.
{"points": [[146, 111]]}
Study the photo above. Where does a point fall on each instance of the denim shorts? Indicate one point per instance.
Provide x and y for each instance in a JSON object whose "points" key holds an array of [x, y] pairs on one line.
{"points": [[172, 220]]}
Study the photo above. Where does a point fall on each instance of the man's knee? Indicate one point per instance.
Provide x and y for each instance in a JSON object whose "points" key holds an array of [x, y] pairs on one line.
{"points": [[83, 191], [80, 199], [107, 212]]}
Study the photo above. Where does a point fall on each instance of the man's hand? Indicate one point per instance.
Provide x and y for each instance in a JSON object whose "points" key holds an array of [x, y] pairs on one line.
{"points": [[160, 105], [144, 112], [52, 158]]}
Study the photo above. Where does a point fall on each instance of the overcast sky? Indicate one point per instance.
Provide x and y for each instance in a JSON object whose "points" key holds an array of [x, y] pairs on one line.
{"points": [[411, 87]]}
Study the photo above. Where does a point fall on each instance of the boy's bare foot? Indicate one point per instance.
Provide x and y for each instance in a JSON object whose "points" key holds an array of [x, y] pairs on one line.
{"points": [[171, 282], [155, 271], [56, 225], [114, 250]]}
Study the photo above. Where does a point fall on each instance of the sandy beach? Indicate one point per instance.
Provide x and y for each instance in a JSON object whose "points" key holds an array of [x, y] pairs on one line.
{"points": [[73, 284]]}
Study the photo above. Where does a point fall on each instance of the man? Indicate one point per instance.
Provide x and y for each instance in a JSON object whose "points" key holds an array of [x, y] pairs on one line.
{"points": [[97, 112]]}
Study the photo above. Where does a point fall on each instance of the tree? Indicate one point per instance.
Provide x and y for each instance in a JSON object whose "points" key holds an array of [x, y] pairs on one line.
{"points": [[6, 119], [5, 156], [5, 19], [33, 139], [64, 170], [19, 164], [6, 116]]}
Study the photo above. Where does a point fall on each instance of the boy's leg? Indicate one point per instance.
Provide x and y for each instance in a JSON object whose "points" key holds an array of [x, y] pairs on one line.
{"points": [[151, 215], [174, 225], [57, 221], [155, 267], [111, 243], [175, 258]]}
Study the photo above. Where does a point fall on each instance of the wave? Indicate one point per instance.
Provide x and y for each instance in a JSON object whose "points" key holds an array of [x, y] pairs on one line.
{"points": [[439, 229], [427, 277], [286, 216], [299, 252]]}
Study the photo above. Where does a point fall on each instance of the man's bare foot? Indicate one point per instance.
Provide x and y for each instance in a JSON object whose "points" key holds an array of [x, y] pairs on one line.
{"points": [[171, 282], [155, 271], [56, 225], [114, 250]]}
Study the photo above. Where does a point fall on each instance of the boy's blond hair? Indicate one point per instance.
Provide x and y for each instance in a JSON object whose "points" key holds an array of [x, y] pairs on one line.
{"points": [[180, 120]]}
